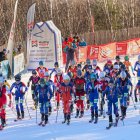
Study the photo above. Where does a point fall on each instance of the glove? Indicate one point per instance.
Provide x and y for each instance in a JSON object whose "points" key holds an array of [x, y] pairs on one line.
{"points": [[13, 93], [134, 74]]}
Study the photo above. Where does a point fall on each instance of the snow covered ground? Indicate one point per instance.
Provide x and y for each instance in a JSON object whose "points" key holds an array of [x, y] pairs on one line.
{"points": [[79, 129]]}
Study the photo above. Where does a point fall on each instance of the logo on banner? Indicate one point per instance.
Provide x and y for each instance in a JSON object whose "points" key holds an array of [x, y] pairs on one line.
{"points": [[43, 44], [93, 51], [106, 52], [34, 43]]}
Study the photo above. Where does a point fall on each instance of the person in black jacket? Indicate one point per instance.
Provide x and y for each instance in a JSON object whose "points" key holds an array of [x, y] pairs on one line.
{"points": [[70, 55]]}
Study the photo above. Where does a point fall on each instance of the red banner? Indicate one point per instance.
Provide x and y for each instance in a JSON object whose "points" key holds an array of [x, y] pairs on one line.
{"points": [[107, 51], [133, 47], [82, 54], [121, 48], [92, 52]]}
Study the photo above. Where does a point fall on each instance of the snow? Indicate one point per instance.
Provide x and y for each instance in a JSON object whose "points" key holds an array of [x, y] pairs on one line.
{"points": [[79, 129]]}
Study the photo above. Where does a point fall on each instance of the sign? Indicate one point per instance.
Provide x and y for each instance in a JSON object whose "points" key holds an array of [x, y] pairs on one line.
{"points": [[45, 46], [19, 63], [121, 48], [107, 52], [92, 52]]}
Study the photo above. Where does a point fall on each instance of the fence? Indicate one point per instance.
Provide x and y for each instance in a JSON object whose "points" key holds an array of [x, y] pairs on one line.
{"points": [[105, 36]]}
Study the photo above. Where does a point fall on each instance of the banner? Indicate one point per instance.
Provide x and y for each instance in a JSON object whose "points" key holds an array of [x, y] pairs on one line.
{"points": [[11, 37], [107, 51], [4, 68], [30, 24], [92, 52], [133, 47], [45, 46], [19, 63], [121, 48], [82, 54]]}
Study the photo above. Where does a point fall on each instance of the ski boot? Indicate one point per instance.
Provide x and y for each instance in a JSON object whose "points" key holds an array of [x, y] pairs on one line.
{"points": [[92, 117], [65, 118], [42, 119], [18, 115], [77, 113], [22, 114], [96, 118], [81, 114], [46, 120], [110, 122], [68, 119], [116, 122]]}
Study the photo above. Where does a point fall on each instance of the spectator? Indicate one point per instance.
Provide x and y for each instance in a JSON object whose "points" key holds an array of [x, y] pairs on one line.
{"points": [[70, 54], [3, 55]]}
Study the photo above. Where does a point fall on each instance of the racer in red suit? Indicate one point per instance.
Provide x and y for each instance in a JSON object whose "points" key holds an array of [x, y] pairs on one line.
{"points": [[79, 84], [58, 79]]}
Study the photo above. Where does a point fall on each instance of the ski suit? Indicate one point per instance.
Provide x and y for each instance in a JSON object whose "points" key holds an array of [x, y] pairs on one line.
{"points": [[41, 71]]}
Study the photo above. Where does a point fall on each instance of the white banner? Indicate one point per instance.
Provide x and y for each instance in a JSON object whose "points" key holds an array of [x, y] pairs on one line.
{"points": [[46, 45], [30, 24], [11, 37], [19, 63]]}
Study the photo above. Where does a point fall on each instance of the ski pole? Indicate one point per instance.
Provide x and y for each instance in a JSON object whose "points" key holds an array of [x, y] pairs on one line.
{"points": [[27, 106], [57, 115]]}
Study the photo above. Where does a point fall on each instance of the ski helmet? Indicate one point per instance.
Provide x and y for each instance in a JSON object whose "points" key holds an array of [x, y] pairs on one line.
{"points": [[126, 58], [58, 71], [102, 74], [56, 64], [79, 66], [116, 67], [34, 72], [123, 67], [79, 73], [93, 76], [117, 57], [42, 82], [66, 77], [109, 62], [123, 74], [139, 57], [41, 63], [94, 62], [18, 77], [88, 61], [46, 74]]}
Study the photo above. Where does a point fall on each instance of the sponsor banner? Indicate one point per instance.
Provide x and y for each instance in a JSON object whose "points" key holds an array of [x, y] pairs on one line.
{"points": [[10, 45], [45, 46], [82, 54], [92, 52], [107, 51], [30, 24], [19, 63], [4, 68], [133, 47], [121, 48]]}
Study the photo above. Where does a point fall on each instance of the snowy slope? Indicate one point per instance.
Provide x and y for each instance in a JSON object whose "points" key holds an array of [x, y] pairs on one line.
{"points": [[79, 129]]}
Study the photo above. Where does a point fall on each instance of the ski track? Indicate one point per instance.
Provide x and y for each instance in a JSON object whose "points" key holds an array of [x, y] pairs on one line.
{"points": [[79, 129]]}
